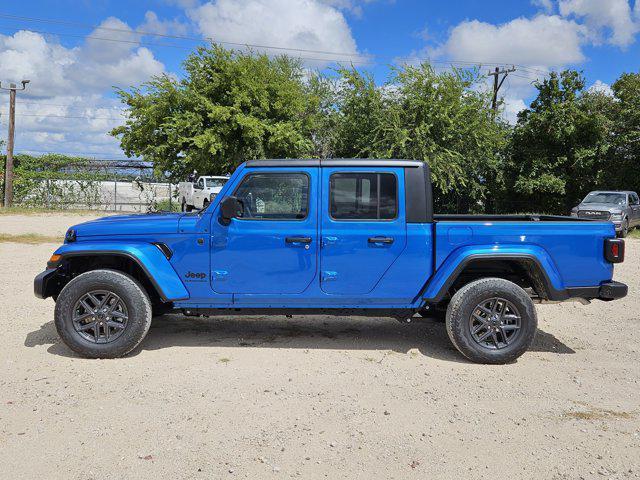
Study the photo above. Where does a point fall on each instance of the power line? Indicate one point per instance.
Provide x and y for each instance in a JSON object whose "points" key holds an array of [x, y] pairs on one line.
{"points": [[178, 37], [66, 105], [366, 57], [181, 47], [80, 117]]}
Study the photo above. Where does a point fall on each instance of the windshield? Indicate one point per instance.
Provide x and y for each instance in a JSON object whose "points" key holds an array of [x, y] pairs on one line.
{"points": [[215, 182], [603, 197]]}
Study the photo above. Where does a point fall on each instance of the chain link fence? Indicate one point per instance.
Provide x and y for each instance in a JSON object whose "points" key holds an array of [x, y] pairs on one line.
{"points": [[118, 186]]}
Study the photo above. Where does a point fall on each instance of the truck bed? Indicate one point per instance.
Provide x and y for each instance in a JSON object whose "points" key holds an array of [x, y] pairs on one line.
{"points": [[506, 218], [571, 249]]}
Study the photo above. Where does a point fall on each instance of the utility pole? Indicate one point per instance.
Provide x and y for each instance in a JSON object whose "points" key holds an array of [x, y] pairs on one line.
{"points": [[8, 171], [496, 85]]}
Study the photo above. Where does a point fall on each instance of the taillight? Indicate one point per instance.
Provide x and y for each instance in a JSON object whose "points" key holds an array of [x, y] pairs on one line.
{"points": [[614, 250]]}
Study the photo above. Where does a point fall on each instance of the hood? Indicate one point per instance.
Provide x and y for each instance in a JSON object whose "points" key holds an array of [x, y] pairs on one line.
{"points": [[601, 207], [152, 223]]}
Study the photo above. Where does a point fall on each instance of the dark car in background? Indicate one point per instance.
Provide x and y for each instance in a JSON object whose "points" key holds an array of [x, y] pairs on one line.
{"points": [[622, 208]]}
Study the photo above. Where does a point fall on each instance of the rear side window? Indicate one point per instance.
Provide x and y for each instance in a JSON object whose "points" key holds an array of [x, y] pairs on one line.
{"points": [[363, 196], [274, 196]]}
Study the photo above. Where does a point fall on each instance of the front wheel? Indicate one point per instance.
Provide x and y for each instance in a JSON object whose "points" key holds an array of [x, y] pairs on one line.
{"points": [[103, 314], [491, 320]]}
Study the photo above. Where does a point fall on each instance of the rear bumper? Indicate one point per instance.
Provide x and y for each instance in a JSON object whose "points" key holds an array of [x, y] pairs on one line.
{"points": [[42, 281], [605, 291]]}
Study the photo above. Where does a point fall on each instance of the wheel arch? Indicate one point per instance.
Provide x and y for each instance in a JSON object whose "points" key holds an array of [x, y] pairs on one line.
{"points": [[147, 263], [527, 269]]}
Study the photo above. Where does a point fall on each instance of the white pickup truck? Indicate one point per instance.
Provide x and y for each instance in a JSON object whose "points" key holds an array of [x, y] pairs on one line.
{"points": [[199, 194]]}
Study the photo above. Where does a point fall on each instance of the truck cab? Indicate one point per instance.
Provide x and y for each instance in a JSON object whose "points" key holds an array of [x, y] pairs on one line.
{"points": [[331, 236], [200, 194]]}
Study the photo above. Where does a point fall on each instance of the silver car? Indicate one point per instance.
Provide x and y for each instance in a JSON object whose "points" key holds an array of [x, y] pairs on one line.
{"points": [[620, 207]]}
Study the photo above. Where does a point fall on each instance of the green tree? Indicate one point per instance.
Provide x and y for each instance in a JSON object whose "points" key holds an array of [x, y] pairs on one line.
{"points": [[231, 106], [623, 168], [559, 145], [441, 118]]}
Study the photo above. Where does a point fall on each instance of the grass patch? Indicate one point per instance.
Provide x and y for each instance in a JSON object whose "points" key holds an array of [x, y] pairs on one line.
{"points": [[224, 360], [635, 233], [40, 211], [599, 414], [29, 238]]}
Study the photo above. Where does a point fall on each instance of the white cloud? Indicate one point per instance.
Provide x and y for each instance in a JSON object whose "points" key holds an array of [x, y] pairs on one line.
{"points": [[535, 45], [512, 106], [599, 15], [545, 5], [301, 24], [353, 6], [72, 83], [153, 24], [601, 87], [543, 40]]}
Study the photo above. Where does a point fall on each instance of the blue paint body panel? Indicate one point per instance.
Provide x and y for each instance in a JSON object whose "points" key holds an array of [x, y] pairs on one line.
{"points": [[148, 256], [249, 264]]}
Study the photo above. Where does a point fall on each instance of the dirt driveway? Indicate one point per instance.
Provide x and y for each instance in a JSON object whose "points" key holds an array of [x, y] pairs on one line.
{"points": [[315, 397]]}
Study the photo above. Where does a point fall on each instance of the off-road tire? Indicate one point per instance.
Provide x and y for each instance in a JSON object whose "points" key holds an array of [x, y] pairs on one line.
{"points": [[464, 303], [132, 294]]}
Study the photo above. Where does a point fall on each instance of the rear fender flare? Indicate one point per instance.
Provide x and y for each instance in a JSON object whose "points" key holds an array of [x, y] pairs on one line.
{"points": [[147, 255], [454, 264]]}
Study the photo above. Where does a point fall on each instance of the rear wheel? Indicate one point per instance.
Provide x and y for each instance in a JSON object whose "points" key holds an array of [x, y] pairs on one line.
{"points": [[491, 320], [103, 314]]}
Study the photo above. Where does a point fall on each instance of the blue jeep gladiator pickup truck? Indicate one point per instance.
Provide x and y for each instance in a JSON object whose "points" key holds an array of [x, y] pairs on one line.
{"points": [[341, 237]]}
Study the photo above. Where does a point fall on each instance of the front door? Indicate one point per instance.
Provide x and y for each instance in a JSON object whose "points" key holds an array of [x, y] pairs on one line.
{"points": [[363, 227], [273, 247]]}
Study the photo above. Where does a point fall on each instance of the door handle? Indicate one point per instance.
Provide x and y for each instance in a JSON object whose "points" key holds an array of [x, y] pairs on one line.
{"points": [[385, 240], [290, 240]]}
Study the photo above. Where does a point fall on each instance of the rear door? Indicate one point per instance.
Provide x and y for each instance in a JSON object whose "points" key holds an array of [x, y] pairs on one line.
{"points": [[363, 227]]}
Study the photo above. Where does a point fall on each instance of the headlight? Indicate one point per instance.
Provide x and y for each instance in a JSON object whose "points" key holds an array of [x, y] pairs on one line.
{"points": [[212, 196], [616, 217]]}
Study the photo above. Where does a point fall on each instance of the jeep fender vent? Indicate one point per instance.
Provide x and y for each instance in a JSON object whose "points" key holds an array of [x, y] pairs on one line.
{"points": [[166, 251]]}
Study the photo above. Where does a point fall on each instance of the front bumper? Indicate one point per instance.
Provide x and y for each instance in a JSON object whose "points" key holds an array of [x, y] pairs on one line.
{"points": [[43, 282], [606, 291]]}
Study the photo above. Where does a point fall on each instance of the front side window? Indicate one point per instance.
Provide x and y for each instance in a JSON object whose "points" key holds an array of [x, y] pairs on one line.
{"points": [[216, 182], [363, 196], [274, 196], [634, 199]]}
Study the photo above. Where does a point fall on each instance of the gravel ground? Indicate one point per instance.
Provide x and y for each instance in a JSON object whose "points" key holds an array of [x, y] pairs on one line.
{"points": [[315, 397]]}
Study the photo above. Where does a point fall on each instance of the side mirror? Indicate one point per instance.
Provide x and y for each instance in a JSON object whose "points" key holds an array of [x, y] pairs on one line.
{"points": [[230, 207]]}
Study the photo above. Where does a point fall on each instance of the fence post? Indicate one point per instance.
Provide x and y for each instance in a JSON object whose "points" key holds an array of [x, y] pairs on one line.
{"points": [[115, 194], [170, 195]]}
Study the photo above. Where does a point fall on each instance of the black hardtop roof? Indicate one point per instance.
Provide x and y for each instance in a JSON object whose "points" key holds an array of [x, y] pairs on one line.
{"points": [[334, 162]]}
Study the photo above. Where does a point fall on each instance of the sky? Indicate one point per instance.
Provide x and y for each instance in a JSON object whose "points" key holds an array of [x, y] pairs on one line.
{"points": [[77, 52]]}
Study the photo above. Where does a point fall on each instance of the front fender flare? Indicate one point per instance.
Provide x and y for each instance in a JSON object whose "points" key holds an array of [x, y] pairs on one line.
{"points": [[149, 257], [437, 287]]}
